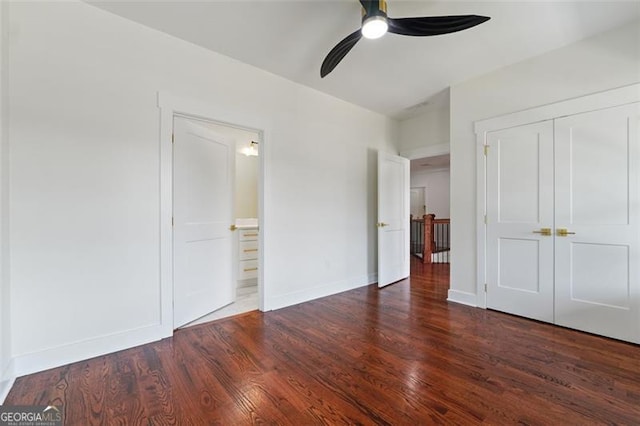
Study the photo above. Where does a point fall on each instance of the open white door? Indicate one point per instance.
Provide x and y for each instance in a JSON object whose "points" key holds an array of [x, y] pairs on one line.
{"points": [[393, 218], [203, 182]]}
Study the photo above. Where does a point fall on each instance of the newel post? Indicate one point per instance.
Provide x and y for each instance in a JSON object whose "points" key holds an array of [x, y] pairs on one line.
{"points": [[428, 237]]}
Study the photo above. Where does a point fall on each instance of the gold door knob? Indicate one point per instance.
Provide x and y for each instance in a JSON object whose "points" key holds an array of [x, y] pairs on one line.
{"points": [[381, 224], [233, 228], [543, 231], [563, 232]]}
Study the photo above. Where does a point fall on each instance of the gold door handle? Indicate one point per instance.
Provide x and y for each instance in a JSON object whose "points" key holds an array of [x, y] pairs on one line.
{"points": [[233, 228], [249, 250], [250, 269], [563, 232], [543, 231], [381, 224]]}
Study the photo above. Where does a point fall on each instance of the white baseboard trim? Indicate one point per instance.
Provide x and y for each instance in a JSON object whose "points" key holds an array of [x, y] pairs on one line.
{"points": [[62, 355], [462, 297], [8, 378], [5, 387], [293, 298]]}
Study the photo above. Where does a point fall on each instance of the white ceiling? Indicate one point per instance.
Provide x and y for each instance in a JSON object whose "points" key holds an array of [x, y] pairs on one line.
{"points": [[388, 75]]}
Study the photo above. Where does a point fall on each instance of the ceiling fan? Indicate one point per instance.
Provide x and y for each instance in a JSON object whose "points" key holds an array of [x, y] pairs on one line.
{"points": [[375, 23]]}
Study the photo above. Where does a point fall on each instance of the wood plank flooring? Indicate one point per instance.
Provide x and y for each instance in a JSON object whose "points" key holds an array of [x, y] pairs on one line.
{"points": [[401, 355]]}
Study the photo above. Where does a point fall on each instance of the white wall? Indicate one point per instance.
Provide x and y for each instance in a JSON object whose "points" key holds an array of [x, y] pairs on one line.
{"points": [[436, 184], [84, 140], [429, 128], [5, 317], [606, 61], [246, 185]]}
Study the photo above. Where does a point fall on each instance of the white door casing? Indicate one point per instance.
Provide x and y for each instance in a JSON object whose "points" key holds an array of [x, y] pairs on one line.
{"points": [[203, 182], [597, 201], [519, 205], [393, 218]]}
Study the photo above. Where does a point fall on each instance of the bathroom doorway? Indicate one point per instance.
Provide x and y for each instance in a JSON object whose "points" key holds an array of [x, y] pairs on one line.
{"points": [[245, 224]]}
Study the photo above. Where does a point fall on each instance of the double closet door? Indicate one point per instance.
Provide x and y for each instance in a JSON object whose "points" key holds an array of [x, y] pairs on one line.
{"points": [[563, 221]]}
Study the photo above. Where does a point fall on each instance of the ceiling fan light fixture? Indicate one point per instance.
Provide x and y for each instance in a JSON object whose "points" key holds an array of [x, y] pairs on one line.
{"points": [[374, 27], [375, 24]]}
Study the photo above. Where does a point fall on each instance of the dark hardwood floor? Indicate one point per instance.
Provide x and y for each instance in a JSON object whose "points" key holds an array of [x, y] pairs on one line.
{"points": [[401, 355]]}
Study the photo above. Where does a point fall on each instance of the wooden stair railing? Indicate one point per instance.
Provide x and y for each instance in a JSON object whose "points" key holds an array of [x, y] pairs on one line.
{"points": [[434, 237]]}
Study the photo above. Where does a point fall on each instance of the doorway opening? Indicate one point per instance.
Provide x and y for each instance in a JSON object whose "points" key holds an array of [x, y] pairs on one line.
{"points": [[199, 112], [430, 222], [430, 234], [242, 228]]}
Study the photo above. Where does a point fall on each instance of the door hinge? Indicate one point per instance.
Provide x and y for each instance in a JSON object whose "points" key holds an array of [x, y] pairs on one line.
{"points": [[485, 287], [485, 219], [173, 138], [171, 220], [486, 150]]}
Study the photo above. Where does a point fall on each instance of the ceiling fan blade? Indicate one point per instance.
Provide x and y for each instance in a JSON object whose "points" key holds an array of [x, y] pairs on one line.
{"points": [[338, 52], [434, 25]]}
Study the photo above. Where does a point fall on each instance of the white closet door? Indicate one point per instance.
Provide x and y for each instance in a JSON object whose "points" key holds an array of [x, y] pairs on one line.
{"points": [[597, 275], [519, 205]]}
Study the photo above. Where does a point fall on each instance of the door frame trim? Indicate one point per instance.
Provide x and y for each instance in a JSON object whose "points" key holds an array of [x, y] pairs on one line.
{"points": [[591, 102], [426, 151], [171, 106]]}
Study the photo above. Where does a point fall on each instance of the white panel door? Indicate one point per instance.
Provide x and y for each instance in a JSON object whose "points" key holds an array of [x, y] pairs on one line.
{"points": [[393, 218], [417, 203], [203, 182], [519, 205], [597, 275]]}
